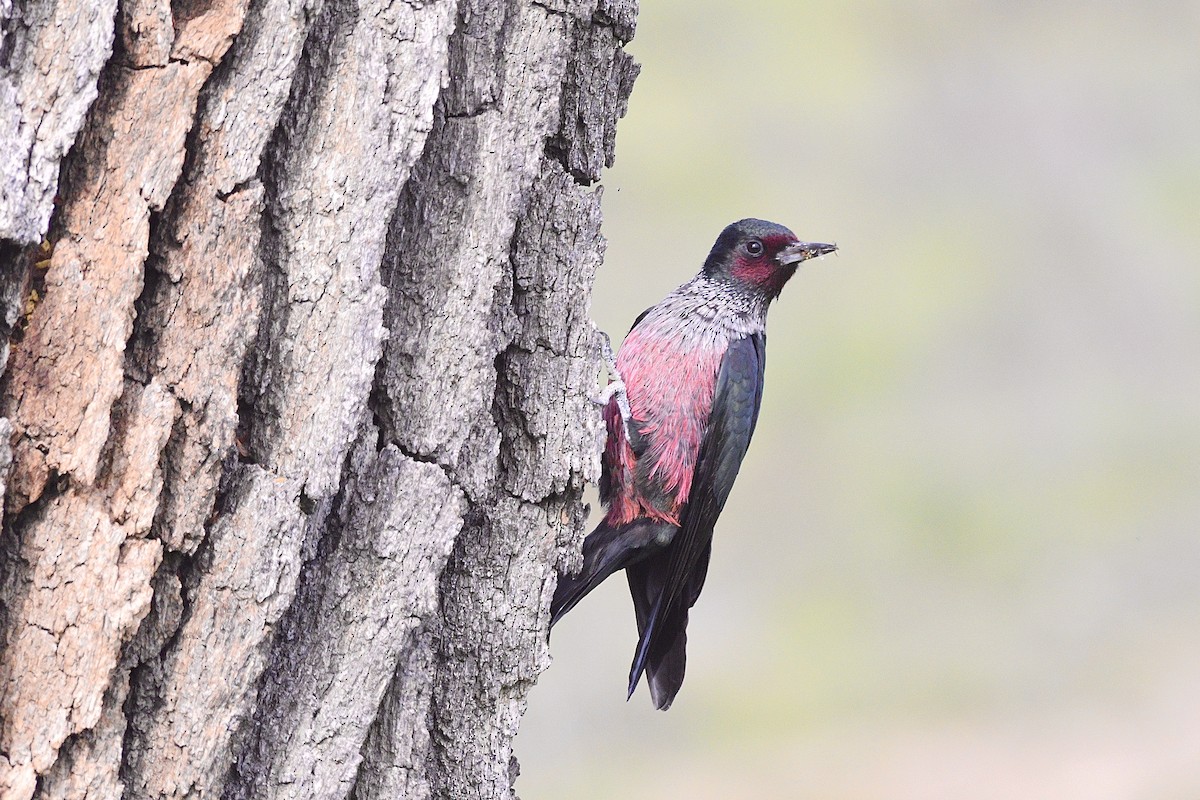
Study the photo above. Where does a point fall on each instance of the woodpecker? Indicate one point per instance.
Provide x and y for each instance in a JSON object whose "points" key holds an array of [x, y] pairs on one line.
{"points": [[684, 399]]}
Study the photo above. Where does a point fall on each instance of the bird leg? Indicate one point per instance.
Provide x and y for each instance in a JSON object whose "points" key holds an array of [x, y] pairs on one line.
{"points": [[616, 386]]}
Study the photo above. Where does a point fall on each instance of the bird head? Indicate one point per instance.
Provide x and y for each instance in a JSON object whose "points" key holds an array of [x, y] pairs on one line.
{"points": [[759, 257]]}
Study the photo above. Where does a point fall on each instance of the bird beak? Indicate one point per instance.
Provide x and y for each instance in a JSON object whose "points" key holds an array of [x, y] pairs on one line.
{"points": [[796, 252]]}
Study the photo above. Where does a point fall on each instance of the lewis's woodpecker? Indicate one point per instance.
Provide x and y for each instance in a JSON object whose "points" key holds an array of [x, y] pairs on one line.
{"points": [[683, 404]]}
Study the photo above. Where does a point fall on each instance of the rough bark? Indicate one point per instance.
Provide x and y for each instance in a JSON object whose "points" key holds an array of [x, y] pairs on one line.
{"points": [[295, 402]]}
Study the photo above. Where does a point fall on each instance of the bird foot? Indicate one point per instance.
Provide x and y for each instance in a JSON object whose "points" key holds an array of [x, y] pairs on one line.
{"points": [[616, 386]]}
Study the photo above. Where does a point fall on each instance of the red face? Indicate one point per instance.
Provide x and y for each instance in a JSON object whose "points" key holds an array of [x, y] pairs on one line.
{"points": [[756, 261]]}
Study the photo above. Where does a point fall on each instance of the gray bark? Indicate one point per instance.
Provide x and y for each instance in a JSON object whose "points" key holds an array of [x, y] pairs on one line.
{"points": [[295, 402]]}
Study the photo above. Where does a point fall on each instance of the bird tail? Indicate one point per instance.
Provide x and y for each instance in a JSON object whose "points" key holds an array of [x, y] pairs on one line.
{"points": [[606, 550], [662, 627]]}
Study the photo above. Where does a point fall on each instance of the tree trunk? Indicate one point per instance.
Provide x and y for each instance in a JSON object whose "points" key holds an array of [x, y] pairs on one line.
{"points": [[296, 388]]}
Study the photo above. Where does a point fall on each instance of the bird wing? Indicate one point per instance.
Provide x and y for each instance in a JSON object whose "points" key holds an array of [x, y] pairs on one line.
{"points": [[731, 423]]}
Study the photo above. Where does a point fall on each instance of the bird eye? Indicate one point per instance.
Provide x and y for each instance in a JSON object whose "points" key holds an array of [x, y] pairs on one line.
{"points": [[754, 247]]}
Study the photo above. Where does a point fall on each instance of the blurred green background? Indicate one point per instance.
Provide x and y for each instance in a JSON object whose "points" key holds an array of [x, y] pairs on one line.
{"points": [[963, 556]]}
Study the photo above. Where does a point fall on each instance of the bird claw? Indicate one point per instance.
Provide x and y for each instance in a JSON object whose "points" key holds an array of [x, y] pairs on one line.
{"points": [[615, 387]]}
